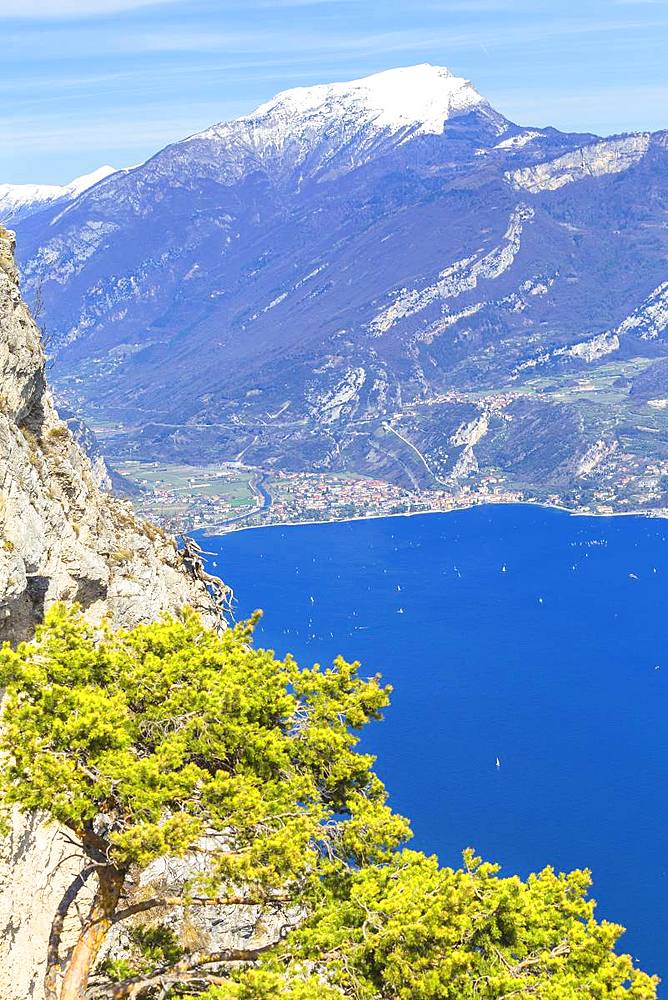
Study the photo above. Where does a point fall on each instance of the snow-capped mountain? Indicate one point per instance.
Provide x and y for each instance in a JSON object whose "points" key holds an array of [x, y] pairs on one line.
{"points": [[356, 259], [418, 98], [341, 125], [18, 201]]}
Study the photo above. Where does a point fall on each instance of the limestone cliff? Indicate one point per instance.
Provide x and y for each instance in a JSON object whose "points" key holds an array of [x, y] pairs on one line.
{"points": [[610, 156], [61, 537]]}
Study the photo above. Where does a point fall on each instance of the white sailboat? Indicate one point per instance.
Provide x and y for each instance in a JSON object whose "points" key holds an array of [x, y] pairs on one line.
{"points": [[498, 762]]}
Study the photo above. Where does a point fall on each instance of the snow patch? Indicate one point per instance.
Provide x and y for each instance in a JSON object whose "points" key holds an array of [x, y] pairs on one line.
{"points": [[517, 141]]}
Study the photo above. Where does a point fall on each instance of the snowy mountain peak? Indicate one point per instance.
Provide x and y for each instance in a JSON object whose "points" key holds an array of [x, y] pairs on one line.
{"points": [[80, 184], [17, 201], [424, 96], [418, 99]]}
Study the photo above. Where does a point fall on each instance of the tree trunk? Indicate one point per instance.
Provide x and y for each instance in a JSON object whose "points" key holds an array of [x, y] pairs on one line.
{"points": [[94, 932], [53, 954]]}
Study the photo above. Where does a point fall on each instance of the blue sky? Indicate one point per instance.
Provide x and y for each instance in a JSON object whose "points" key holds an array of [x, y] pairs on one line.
{"points": [[86, 82]]}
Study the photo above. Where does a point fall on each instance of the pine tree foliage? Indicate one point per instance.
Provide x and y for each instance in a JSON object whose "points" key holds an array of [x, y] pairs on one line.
{"points": [[153, 742], [411, 930]]}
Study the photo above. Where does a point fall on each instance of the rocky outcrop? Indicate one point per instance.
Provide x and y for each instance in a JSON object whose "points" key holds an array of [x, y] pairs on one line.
{"points": [[37, 865], [460, 277], [612, 156], [61, 538], [200, 928]]}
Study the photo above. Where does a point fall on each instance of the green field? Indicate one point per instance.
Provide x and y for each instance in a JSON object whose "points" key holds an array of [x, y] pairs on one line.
{"points": [[234, 486], [183, 495]]}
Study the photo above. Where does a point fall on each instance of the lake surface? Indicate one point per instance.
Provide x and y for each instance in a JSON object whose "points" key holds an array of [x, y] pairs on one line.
{"points": [[557, 664]]}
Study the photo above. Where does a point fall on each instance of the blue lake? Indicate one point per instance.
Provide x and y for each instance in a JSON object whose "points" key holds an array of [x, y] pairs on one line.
{"points": [[558, 665]]}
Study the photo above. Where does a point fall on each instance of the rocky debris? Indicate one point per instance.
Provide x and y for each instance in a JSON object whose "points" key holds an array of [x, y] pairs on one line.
{"points": [[469, 434], [594, 456], [465, 466]]}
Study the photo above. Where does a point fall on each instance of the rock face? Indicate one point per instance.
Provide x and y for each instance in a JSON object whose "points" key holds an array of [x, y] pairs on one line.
{"points": [[613, 156], [37, 866], [61, 538]]}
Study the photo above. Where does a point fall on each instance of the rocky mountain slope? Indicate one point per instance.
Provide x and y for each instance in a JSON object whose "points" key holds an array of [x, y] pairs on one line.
{"points": [[18, 201], [61, 538], [384, 276]]}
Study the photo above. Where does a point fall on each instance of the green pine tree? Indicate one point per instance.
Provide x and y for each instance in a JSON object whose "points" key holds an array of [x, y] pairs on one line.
{"points": [[141, 742]]}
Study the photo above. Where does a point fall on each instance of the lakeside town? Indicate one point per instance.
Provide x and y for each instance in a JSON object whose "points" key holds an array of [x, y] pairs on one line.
{"points": [[223, 498], [229, 496]]}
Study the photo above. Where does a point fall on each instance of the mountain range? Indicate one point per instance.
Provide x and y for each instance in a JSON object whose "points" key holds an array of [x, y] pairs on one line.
{"points": [[385, 276], [18, 201]]}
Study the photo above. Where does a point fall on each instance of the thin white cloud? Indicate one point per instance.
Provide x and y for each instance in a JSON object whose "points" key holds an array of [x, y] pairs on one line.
{"points": [[442, 6], [148, 134], [282, 4], [58, 10], [172, 40]]}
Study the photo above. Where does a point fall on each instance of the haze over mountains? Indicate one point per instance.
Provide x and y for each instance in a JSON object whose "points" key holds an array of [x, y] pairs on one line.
{"points": [[385, 276]]}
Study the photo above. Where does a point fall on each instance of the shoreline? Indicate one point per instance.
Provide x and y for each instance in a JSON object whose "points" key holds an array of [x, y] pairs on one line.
{"points": [[654, 514]]}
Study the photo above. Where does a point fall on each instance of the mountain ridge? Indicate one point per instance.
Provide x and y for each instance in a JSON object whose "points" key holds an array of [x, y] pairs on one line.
{"points": [[422, 96], [344, 276], [18, 201]]}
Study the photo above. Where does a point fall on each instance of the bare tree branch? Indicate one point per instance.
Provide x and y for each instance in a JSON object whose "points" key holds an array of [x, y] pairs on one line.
{"points": [[185, 901], [187, 970]]}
